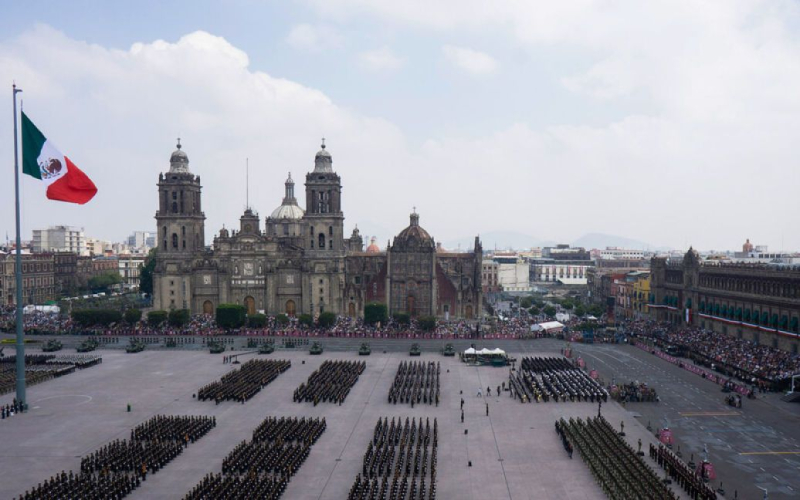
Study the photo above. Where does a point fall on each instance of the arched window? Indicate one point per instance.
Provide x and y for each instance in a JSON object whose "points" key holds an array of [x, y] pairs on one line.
{"points": [[174, 207], [174, 240], [321, 241]]}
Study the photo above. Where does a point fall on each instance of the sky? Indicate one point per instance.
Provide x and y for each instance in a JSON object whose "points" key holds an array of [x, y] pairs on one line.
{"points": [[672, 122]]}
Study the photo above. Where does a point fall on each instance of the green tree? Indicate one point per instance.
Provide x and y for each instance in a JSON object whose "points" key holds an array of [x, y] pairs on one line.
{"points": [[257, 320], [550, 311], [580, 311], [427, 323], [102, 282], [326, 319], [305, 319], [534, 310], [133, 316], [567, 304], [231, 316], [282, 319], [179, 317], [156, 318], [375, 313], [92, 317], [526, 302], [596, 310], [402, 318], [146, 273]]}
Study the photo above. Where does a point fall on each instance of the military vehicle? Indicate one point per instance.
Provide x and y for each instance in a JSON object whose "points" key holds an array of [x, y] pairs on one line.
{"points": [[364, 350], [215, 347], [316, 348], [415, 350], [136, 345], [449, 350], [267, 347], [52, 346], [87, 345]]}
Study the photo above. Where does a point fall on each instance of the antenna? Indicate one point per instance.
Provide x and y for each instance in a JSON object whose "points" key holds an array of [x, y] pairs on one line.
{"points": [[247, 182]]}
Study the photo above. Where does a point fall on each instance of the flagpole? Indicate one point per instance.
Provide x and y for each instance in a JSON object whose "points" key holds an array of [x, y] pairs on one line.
{"points": [[18, 270]]}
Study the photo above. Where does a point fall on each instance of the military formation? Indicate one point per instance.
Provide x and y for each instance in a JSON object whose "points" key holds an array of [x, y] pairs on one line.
{"points": [[685, 477], [119, 467], [416, 382], [618, 470], [242, 384], [263, 467], [553, 379], [11, 409], [42, 367], [331, 383], [400, 462]]}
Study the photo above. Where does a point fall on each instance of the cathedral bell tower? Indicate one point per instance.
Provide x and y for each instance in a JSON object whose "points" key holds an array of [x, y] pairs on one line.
{"points": [[181, 232]]}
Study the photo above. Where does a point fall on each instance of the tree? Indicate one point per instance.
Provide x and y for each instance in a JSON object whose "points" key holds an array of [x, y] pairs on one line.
{"points": [[231, 316], [146, 273], [549, 311], [91, 317], [375, 313], [526, 302], [567, 304], [179, 317], [102, 282], [282, 319], [534, 310], [580, 311], [156, 318], [326, 319], [257, 320], [402, 318], [133, 316], [596, 310], [305, 319], [427, 323]]}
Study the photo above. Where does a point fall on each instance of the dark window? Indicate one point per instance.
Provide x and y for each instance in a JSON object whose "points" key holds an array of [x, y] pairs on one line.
{"points": [[330, 230], [175, 207], [321, 241], [174, 240]]}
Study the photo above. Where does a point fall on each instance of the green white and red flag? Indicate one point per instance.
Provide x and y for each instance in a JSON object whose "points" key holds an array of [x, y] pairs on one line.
{"points": [[42, 160]]}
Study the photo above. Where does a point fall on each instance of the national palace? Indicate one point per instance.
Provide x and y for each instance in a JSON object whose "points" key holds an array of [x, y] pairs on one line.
{"points": [[299, 260]]}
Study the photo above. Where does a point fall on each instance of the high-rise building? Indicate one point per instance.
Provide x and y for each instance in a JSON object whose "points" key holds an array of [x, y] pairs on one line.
{"points": [[59, 239]]}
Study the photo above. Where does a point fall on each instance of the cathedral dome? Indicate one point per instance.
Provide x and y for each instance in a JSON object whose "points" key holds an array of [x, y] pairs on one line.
{"points": [[323, 161], [179, 161], [289, 208], [414, 234], [373, 246]]}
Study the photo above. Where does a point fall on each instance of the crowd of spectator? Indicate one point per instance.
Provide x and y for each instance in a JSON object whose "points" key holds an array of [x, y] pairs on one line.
{"points": [[753, 363]]}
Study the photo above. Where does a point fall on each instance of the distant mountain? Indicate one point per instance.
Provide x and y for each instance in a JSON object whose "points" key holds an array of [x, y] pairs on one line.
{"points": [[501, 240], [601, 241]]}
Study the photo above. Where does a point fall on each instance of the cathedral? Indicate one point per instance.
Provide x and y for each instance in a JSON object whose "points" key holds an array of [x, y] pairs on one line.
{"points": [[301, 262]]}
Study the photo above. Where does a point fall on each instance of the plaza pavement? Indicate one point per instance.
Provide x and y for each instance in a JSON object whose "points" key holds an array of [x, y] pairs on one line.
{"points": [[515, 452]]}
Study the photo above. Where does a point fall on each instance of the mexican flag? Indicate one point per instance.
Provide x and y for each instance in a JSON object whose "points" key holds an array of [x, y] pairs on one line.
{"points": [[42, 160]]}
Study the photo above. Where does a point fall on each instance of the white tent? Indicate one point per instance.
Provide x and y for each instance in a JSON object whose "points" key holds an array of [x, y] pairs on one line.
{"points": [[498, 351], [484, 351], [551, 326], [30, 309], [470, 351]]}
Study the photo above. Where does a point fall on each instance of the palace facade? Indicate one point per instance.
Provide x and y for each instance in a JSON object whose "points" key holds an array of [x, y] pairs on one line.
{"points": [[301, 262], [758, 302]]}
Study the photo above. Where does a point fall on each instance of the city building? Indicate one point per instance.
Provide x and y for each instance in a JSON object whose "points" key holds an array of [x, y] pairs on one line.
{"points": [[141, 241], [632, 292], [757, 302], [489, 276], [301, 262], [513, 273], [65, 272], [59, 239], [565, 252], [564, 272], [38, 279], [130, 267], [97, 247], [616, 253]]}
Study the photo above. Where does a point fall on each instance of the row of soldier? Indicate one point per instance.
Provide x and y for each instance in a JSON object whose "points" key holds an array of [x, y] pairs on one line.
{"points": [[117, 468], [331, 383], [263, 467], [686, 478], [242, 384], [620, 472], [11, 409], [398, 463], [416, 382]]}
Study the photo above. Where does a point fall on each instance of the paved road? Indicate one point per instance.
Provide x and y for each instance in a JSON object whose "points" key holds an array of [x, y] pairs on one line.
{"points": [[755, 447]]}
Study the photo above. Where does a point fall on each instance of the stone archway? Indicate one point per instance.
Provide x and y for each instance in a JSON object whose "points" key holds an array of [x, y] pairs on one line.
{"points": [[250, 304], [351, 310], [291, 308], [208, 307], [468, 312], [411, 305]]}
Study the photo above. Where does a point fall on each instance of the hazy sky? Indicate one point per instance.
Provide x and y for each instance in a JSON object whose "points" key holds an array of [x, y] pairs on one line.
{"points": [[672, 122]]}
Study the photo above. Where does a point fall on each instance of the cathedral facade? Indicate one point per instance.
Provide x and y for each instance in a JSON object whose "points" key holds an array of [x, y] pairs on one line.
{"points": [[301, 262]]}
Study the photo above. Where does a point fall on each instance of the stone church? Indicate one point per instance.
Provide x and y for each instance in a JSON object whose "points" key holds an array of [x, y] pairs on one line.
{"points": [[301, 262]]}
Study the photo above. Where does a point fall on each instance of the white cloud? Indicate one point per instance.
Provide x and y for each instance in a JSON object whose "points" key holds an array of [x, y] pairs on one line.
{"points": [[382, 59], [715, 165], [471, 61], [313, 38]]}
